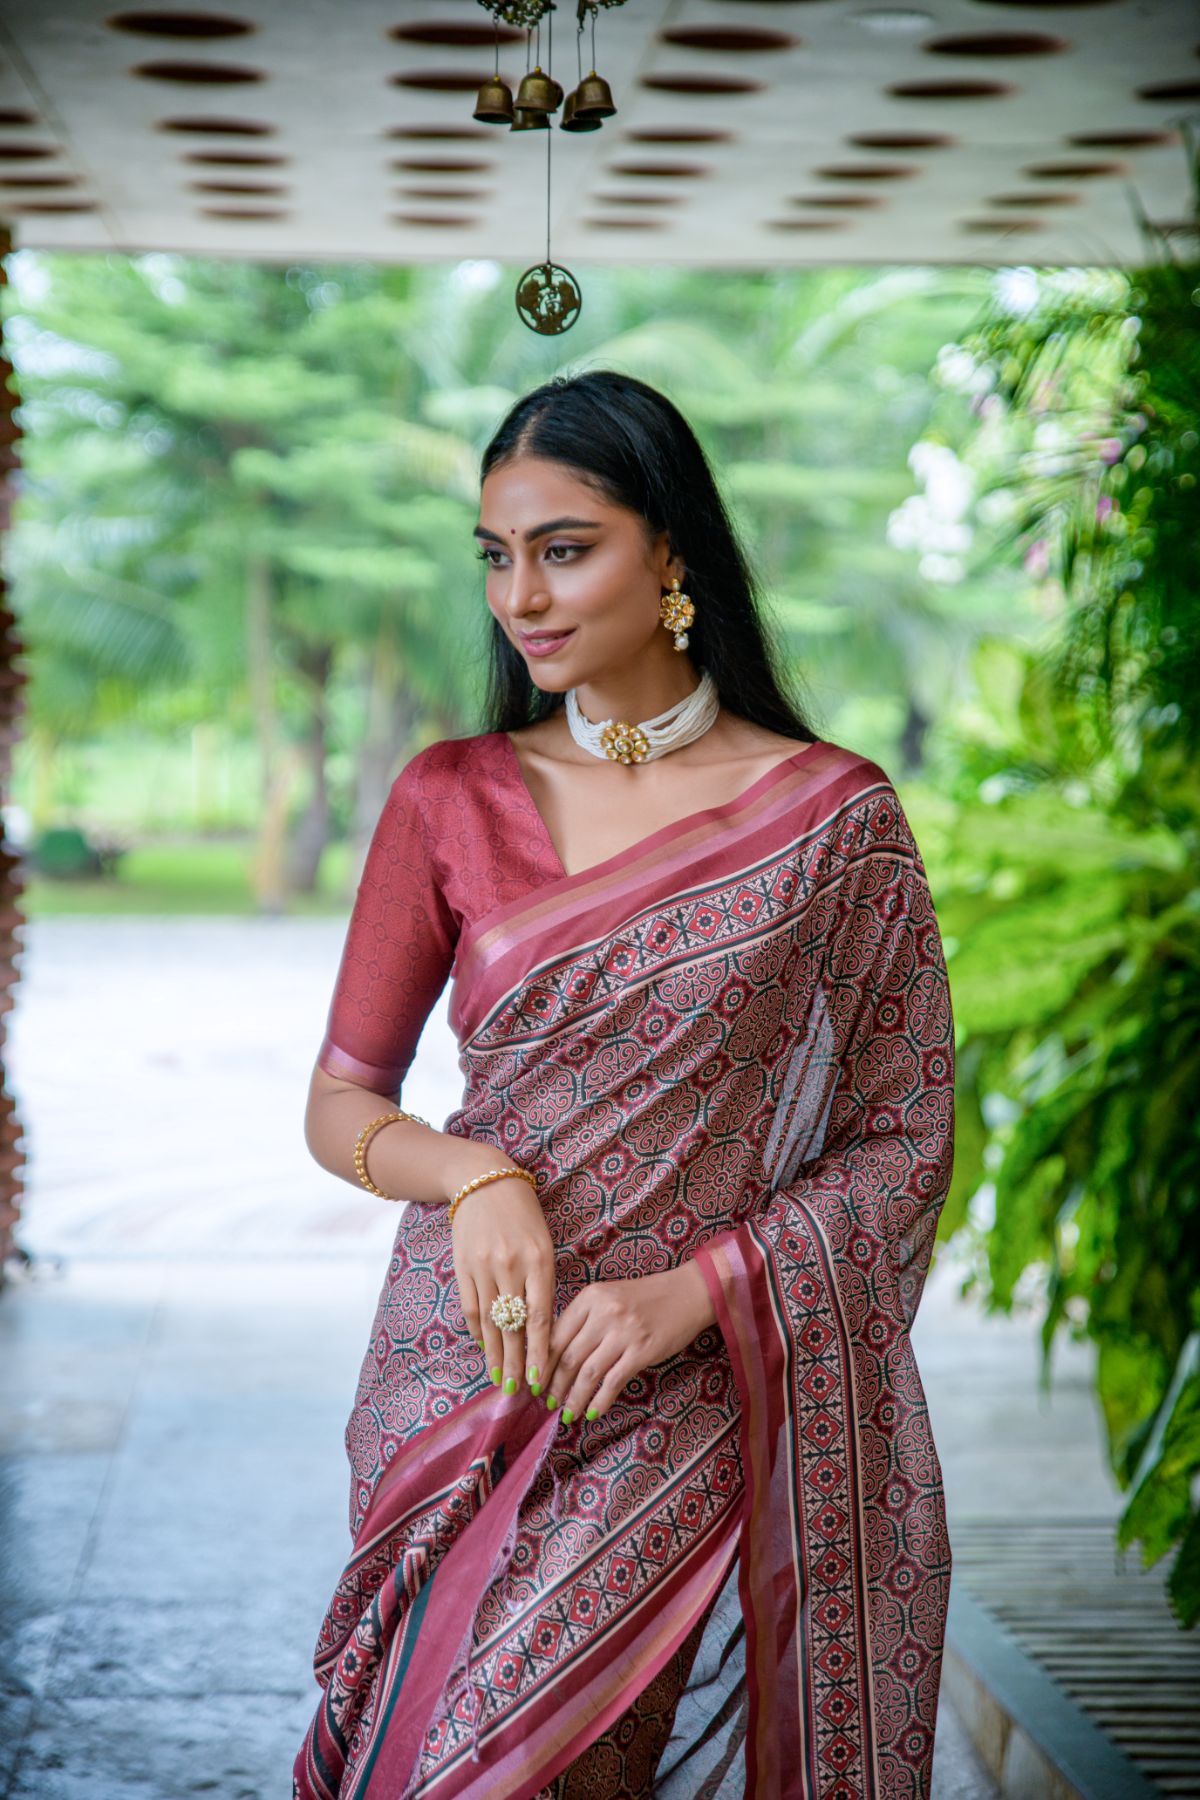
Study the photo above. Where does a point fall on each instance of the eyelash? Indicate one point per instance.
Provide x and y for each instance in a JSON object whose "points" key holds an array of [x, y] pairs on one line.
{"points": [[485, 556]]}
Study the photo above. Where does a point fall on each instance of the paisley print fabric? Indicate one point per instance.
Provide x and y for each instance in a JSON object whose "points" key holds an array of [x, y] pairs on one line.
{"points": [[732, 1041]]}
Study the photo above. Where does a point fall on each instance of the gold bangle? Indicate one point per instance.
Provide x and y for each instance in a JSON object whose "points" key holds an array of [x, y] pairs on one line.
{"points": [[468, 1187], [364, 1137]]}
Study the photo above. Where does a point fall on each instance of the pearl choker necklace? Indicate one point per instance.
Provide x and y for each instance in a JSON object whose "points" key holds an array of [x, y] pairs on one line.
{"points": [[621, 742]]}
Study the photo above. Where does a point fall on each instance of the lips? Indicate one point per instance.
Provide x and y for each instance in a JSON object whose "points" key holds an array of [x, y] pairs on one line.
{"points": [[544, 643]]}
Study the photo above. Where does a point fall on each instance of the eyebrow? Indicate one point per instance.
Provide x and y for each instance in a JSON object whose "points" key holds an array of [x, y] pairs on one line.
{"points": [[535, 531]]}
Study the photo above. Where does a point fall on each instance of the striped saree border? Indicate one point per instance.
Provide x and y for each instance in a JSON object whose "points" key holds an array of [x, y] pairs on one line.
{"points": [[776, 1564], [499, 953]]}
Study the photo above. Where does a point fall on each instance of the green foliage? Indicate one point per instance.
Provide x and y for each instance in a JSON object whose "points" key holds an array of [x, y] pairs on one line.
{"points": [[1069, 874]]}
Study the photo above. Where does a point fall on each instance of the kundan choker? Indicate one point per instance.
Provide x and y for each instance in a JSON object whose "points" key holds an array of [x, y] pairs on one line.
{"points": [[621, 742]]}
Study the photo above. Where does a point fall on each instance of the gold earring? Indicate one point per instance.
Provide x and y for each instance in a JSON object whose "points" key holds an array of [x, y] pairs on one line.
{"points": [[677, 612]]}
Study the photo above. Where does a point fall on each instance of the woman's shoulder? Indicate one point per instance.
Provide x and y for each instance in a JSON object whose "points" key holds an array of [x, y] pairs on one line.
{"points": [[451, 756], [450, 769]]}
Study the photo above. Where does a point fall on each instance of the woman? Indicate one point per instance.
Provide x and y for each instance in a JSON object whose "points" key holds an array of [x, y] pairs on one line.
{"points": [[640, 1402]]}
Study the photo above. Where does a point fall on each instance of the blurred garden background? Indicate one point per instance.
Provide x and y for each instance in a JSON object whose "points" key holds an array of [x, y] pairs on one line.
{"points": [[242, 556]]}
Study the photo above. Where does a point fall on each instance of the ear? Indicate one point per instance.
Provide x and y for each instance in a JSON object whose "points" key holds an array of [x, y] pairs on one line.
{"points": [[671, 563]]}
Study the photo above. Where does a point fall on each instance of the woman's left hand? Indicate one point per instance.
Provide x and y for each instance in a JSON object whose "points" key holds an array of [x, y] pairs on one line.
{"points": [[612, 1330]]}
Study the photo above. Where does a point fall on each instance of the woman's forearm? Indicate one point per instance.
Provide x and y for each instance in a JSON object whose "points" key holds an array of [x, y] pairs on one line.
{"points": [[408, 1161]]}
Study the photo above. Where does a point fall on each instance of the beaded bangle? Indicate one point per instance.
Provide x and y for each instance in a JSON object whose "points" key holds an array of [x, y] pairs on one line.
{"points": [[364, 1137], [468, 1187]]}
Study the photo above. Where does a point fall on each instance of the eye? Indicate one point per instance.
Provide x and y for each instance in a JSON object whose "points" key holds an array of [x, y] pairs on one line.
{"points": [[569, 548]]}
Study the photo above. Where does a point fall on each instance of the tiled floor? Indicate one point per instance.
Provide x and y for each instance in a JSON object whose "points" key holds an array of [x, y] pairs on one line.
{"points": [[173, 1486]]}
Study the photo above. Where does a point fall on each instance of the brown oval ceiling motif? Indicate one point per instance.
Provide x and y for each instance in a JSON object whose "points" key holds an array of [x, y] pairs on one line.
{"points": [[16, 115], [726, 40], [950, 90], [1000, 227], [259, 213], [867, 171], [678, 134], [997, 43], [197, 74], [448, 134], [1120, 140], [52, 206], [835, 200], [442, 81], [410, 218], [672, 171], [1170, 90], [449, 36], [1073, 171], [443, 193], [638, 199], [623, 224], [1020, 200], [217, 127], [902, 140], [233, 159], [270, 190], [715, 86], [807, 224], [179, 24], [440, 165], [40, 182]]}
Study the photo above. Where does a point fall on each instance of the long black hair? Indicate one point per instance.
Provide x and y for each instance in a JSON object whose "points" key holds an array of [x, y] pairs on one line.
{"points": [[636, 449]]}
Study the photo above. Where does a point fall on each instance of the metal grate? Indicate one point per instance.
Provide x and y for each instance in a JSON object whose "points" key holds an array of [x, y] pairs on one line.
{"points": [[1099, 1624]]}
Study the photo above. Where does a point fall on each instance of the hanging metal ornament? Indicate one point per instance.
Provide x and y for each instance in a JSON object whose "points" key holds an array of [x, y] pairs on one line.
{"points": [[548, 297]]}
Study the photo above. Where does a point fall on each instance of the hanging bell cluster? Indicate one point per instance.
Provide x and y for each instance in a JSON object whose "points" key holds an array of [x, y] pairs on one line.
{"points": [[539, 96]]}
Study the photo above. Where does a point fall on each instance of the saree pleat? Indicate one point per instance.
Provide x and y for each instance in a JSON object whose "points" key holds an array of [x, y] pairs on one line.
{"points": [[731, 1042]]}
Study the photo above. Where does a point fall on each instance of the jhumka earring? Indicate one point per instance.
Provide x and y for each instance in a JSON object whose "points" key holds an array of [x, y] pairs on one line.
{"points": [[677, 612]]}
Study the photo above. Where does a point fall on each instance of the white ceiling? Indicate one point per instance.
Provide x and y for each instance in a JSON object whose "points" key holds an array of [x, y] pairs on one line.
{"points": [[784, 184]]}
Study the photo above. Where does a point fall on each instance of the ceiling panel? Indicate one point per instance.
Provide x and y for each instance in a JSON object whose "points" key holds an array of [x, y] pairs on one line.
{"points": [[961, 131]]}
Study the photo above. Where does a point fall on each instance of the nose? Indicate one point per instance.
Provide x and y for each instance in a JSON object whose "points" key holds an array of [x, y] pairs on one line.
{"points": [[526, 589]]}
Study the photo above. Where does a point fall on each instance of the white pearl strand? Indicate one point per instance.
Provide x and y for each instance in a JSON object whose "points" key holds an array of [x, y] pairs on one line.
{"points": [[618, 741]]}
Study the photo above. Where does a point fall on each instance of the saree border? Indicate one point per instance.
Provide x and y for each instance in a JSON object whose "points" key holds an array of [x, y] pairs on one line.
{"points": [[577, 955]]}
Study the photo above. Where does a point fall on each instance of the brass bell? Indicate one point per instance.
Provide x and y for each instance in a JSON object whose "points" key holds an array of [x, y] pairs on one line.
{"points": [[539, 92], [571, 121], [524, 120], [494, 105], [593, 98]]}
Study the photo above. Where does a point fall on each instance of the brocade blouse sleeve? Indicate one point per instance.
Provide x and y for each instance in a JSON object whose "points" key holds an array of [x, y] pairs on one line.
{"points": [[398, 952]]}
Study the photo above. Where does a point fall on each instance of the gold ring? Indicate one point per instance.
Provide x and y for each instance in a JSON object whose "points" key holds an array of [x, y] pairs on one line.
{"points": [[509, 1312]]}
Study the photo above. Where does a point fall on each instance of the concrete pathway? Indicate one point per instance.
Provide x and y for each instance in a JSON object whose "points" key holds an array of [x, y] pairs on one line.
{"points": [[178, 1367]]}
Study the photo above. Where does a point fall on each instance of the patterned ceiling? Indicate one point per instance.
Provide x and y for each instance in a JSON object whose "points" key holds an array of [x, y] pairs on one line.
{"points": [[749, 133]]}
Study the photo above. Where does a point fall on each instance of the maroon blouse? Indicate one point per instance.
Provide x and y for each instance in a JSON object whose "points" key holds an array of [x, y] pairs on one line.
{"points": [[459, 835]]}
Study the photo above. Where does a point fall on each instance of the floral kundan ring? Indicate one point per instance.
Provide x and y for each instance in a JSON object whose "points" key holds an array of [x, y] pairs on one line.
{"points": [[509, 1312]]}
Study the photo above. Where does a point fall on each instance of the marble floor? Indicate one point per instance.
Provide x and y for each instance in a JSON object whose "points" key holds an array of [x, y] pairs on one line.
{"points": [[178, 1361]]}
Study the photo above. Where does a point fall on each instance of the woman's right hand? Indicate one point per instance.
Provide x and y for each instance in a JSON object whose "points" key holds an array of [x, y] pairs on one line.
{"points": [[502, 1245]]}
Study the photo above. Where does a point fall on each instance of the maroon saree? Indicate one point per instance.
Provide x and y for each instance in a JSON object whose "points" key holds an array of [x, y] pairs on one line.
{"points": [[732, 1041]]}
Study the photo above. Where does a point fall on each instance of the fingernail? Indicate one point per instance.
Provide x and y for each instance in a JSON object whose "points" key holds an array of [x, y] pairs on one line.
{"points": [[590, 1413], [510, 1385], [496, 1376], [531, 1373], [568, 1415], [551, 1402], [535, 1388]]}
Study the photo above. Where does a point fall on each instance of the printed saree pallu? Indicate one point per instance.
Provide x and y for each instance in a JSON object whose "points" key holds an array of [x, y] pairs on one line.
{"points": [[732, 1041]]}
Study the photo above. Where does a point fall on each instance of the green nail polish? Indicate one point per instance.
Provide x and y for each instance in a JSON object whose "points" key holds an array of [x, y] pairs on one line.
{"points": [[535, 1388], [568, 1416], [496, 1376], [510, 1385], [551, 1402], [591, 1413], [531, 1373]]}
